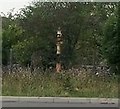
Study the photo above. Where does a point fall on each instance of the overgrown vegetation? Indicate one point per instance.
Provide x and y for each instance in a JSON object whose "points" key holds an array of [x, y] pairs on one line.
{"points": [[62, 84], [90, 38], [32, 34]]}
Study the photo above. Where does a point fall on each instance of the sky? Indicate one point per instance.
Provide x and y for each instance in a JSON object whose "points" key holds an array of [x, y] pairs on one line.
{"points": [[7, 5]]}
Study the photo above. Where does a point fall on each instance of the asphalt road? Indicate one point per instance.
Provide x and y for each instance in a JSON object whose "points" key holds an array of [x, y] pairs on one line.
{"points": [[57, 102], [39, 104]]}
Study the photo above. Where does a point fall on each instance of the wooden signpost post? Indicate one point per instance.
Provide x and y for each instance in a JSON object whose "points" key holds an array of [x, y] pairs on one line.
{"points": [[58, 53]]}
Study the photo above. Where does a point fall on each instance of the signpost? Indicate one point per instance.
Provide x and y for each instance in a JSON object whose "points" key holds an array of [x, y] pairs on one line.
{"points": [[58, 46], [11, 60]]}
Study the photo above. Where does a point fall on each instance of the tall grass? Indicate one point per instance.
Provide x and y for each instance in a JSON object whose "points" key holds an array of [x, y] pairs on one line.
{"points": [[62, 84]]}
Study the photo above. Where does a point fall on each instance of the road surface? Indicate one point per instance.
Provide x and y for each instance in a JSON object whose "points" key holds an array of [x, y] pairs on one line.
{"points": [[57, 102]]}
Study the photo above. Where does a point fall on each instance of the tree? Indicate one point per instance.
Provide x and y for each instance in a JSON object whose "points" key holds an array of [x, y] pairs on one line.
{"points": [[89, 45], [81, 25], [45, 18], [11, 35], [111, 43]]}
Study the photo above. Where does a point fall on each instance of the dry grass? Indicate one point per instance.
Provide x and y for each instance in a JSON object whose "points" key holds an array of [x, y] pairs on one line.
{"points": [[64, 84]]}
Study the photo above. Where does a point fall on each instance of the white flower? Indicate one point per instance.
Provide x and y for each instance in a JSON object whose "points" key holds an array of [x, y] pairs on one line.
{"points": [[97, 73]]}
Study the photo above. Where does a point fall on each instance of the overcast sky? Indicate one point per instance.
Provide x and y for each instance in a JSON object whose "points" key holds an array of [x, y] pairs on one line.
{"points": [[6, 5]]}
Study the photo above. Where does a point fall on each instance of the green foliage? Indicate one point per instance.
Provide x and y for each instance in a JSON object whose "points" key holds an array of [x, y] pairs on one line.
{"points": [[11, 36], [32, 33], [59, 85], [45, 18], [111, 43], [66, 79]]}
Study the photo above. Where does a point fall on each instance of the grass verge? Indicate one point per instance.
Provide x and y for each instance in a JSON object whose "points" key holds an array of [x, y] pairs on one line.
{"points": [[59, 85]]}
